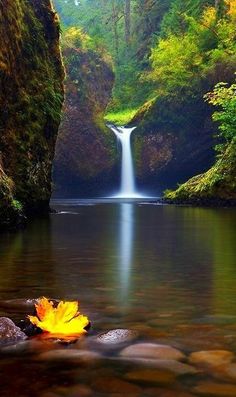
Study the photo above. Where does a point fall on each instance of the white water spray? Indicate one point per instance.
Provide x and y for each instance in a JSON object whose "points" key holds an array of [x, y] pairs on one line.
{"points": [[128, 189]]}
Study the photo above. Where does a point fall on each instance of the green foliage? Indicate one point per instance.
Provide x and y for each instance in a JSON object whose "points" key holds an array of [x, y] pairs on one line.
{"points": [[220, 180], [170, 75], [17, 205], [224, 98], [122, 117]]}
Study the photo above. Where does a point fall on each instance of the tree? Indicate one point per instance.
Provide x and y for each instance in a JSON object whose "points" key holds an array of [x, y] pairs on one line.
{"points": [[224, 98], [127, 12]]}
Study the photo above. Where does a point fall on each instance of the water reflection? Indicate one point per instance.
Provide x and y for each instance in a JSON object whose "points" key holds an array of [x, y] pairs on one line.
{"points": [[126, 247], [126, 256]]}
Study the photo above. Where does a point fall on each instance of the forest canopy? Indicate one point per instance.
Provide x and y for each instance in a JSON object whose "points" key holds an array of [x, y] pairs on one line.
{"points": [[159, 46]]}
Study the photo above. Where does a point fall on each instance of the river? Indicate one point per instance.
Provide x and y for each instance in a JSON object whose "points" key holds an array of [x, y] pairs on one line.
{"points": [[167, 272]]}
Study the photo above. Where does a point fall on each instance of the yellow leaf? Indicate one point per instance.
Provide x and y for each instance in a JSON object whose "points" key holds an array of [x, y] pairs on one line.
{"points": [[63, 320]]}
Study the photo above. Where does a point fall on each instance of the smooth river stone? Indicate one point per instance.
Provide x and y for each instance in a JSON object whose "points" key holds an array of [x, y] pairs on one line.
{"points": [[19, 304], [152, 351], [173, 366], [158, 376], [115, 385], [116, 336], [72, 355], [225, 372], [9, 332], [78, 390], [211, 358], [163, 392], [215, 389]]}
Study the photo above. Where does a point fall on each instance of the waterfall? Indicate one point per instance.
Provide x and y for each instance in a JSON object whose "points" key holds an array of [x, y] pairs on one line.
{"points": [[128, 189]]}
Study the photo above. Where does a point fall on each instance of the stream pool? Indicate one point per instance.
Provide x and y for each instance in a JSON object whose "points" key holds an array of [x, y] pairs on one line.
{"points": [[166, 272]]}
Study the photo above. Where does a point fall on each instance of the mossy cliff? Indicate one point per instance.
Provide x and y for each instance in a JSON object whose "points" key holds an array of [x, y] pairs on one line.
{"points": [[217, 185], [31, 96], [173, 140], [86, 149]]}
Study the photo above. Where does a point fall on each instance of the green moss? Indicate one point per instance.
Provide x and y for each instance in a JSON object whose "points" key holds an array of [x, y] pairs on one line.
{"points": [[122, 117], [217, 183], [31, 96]]}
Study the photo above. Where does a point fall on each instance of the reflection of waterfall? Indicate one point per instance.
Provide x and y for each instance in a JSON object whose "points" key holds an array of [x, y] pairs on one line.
{"points": [[126, 246], [127, 170]]}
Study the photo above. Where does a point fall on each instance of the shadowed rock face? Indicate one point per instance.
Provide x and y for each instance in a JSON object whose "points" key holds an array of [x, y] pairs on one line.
{"points": [[174, 139], [31, 96], [216, 186], [86, 148]]}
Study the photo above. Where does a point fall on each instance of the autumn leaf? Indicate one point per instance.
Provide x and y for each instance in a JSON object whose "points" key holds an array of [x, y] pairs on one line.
{"points": [[63, 320]]}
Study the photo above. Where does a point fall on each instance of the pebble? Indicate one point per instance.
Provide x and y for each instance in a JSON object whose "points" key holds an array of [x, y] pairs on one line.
{"points": [[153, 351], [174, 366], [160, 392], [215, 389], [226, 372], [115, 385], [116, 336], [212, 358], [72, 355], [9, 332], [79, 391], [158, 376]]}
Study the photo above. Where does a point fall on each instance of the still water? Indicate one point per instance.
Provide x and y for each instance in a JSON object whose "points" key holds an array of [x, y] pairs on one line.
{"points": [[167, 272]]}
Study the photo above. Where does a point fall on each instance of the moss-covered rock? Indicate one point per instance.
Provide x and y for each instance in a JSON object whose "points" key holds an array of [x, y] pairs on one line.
{"points": [[86, 148], [216, 186], [31, 96], [174, 139]]}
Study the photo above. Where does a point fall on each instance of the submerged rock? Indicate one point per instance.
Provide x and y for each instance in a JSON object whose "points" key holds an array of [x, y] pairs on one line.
{"points": [[173, 366], [158, 376], [21, 305], [212, 358], [215, 389], [163, 392], [9, 332], [73, 355], [115, 385], [225, 372], [116, 336], [153, 351]]}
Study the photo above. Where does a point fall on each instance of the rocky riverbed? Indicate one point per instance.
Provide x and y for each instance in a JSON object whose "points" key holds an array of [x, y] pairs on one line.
{"points": [[147, 359]]}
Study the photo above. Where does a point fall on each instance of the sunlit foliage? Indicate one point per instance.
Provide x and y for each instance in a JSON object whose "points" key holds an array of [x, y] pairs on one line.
{"points": [[224, 98]]}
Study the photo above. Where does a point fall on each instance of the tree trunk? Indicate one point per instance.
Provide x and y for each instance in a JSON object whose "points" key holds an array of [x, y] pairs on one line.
{"points": [[115, 28], [220, 8], [127, 12]]}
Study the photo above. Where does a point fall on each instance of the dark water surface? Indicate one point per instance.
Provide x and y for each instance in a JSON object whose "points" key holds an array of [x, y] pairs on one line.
{"points": [[168, 272]]}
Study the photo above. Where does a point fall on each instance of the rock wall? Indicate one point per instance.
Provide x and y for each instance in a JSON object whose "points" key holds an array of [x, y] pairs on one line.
{"points": [[31, 96], [216, 186], [174, 139], [86, 149]]}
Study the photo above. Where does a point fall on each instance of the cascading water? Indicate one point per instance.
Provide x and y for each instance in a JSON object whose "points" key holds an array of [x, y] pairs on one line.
{"points": [[128, 189]]}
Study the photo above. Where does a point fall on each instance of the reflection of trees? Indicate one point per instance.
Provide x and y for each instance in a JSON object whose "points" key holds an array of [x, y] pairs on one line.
{"points": [[179, 252], [128, 256], [26, 262], [223, 238]]}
